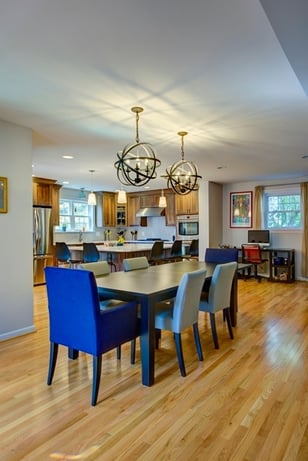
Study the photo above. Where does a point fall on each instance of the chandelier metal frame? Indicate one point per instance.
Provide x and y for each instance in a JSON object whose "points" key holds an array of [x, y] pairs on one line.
{"points": [[137, 163], [183, 175]]}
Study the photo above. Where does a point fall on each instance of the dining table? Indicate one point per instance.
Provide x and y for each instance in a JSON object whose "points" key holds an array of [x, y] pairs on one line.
{"points": [[148, 287]]}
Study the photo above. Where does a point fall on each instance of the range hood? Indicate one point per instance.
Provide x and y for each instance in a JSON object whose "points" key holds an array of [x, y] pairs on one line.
{"points": [[150, 212]]}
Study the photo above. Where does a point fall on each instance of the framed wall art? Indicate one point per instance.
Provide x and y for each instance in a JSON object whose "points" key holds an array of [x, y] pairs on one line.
{"points": [[3, 195], [241, 209]]}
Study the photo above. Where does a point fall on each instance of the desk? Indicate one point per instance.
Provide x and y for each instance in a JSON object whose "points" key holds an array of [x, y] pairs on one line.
{"points": [[148, 287]]}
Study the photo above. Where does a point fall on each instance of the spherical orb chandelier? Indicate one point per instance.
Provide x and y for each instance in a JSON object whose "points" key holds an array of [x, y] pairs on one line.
{"points": [[182, 176], [137, 163]]}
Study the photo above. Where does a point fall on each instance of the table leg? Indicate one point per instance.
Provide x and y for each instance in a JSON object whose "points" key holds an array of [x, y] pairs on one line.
{"points": [[147, 341]]}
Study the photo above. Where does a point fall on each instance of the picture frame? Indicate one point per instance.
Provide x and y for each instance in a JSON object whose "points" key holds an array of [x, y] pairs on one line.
{"points": [[3, 194], [241, 209]]}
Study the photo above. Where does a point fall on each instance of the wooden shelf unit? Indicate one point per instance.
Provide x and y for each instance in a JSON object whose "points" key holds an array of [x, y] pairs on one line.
{"points": [[282, 265]]}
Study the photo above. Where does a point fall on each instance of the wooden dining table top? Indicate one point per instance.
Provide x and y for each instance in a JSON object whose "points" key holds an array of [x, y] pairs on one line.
{"points": [[153, 279]]}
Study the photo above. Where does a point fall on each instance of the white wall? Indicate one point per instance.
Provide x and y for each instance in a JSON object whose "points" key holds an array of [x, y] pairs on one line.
{"points": [[279, 239], [16, 292]]}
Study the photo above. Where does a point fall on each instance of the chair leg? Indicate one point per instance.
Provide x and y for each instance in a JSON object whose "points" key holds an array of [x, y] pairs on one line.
{"points": [[228, 317], [197, 341], [53, 354], [214, 332], [119, 352], [179, 351], [133, 351], [97, 368], [157, 337]]}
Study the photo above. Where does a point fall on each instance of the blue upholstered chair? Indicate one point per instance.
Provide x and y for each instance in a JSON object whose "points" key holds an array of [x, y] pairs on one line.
{"points": [[181, 312], [77, 322], [218, 298], [221, 255], [90, 252]]}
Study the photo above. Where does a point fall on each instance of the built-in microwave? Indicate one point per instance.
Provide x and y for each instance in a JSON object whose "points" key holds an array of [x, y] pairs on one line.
{"points": [[187, 227]]}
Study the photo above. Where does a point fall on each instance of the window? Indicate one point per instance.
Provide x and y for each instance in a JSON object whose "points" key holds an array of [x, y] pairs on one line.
{"points": [[282, 208], [75, 216]]}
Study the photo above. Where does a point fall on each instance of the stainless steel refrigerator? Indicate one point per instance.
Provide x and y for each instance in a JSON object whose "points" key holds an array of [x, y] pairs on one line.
{"points": [[42, 242]]}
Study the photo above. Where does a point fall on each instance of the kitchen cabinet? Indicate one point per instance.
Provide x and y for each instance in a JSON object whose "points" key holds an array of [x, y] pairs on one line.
{"points": [[187, 204], [133, 205], [109, 209], [149, 199], [45, 192], [170, 209]]}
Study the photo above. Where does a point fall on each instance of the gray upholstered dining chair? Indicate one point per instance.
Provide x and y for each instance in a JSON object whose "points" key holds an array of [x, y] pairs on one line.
{"points": [[181, 312], [101, 269], [218, 297], [132, 264]]}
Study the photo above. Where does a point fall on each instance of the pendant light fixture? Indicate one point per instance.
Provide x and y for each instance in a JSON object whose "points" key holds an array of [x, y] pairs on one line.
{"points": [[122, 199], [162, 200], [182, 176], [137, 163], [91, 196]]}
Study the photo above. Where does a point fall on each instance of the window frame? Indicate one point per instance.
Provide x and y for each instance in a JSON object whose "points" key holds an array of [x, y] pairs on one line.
{"points": [[281, 191], [87, 226]]}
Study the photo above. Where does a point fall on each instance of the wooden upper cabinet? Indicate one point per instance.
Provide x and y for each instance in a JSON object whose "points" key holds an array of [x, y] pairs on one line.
{"points": [[149, 199], [109, 209], [45, 192], [133, 205], [187, 204], [170, 209], [55, 203]]}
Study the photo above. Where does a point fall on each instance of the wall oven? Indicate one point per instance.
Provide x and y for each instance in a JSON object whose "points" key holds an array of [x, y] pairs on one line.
{"points": [[187, 227]]}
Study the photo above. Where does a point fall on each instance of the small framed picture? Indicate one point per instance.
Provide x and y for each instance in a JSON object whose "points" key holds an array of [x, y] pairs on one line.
{"points": [[241, 209], [3, 195]]}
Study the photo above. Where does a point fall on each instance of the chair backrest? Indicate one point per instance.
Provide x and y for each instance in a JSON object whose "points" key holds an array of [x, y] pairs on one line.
{"points": [[157, 251], [99, 268], [63, 253], [75, 318], [131, 264], [194, 248], [176, 249], [73, 306], [187, 300], [90, 252], [220, 287], [221, 255], [251, 253]]}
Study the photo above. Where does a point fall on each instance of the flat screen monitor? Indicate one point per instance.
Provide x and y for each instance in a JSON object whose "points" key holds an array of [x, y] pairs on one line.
{"points": [[259, 236]]}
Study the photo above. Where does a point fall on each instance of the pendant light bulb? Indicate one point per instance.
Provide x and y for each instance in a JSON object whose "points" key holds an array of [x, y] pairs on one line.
{"points": [[91, 196]]}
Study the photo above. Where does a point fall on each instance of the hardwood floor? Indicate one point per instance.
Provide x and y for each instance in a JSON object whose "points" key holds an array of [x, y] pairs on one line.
{"points": [[245, 401]]}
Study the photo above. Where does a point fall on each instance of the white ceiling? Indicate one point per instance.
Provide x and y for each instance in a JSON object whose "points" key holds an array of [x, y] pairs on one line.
{"points": [[232, 75]]}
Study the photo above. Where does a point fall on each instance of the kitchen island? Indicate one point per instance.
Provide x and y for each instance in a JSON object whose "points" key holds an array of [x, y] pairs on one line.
{"points": [[115, 253]]}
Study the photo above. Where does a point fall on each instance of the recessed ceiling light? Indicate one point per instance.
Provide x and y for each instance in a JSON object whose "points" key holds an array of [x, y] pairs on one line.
{"points": [[65, 182], [68, 157]]}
